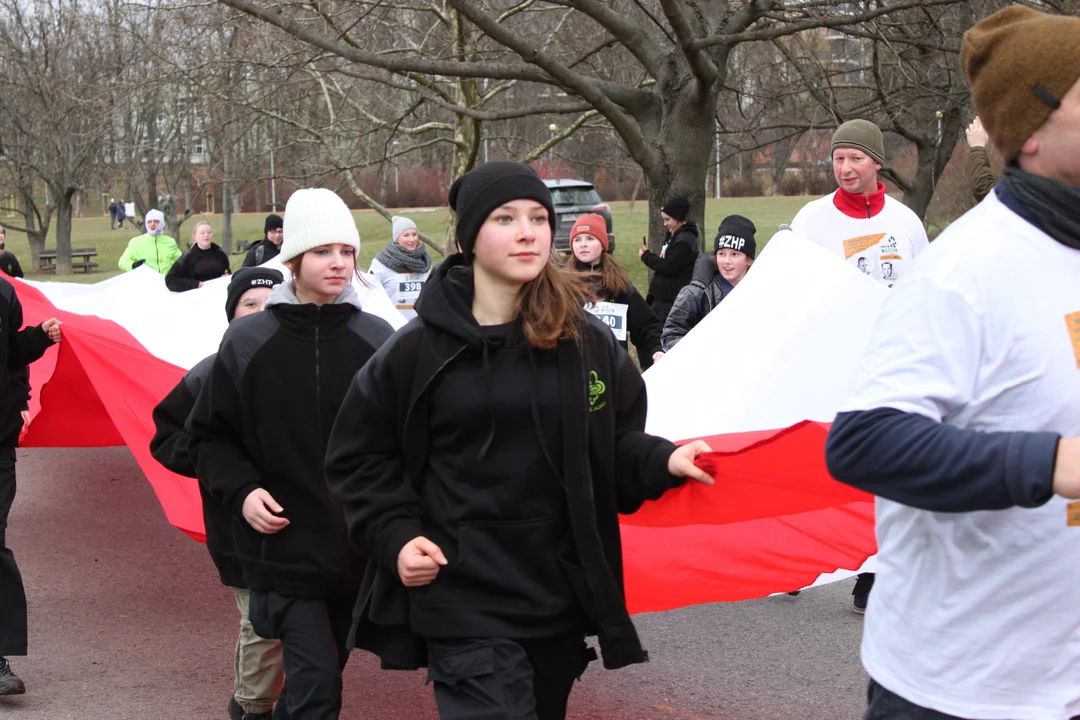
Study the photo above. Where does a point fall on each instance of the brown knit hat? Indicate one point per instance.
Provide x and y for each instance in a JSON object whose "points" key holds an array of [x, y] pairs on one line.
{"points": [[1020, 63], [861, 135]]}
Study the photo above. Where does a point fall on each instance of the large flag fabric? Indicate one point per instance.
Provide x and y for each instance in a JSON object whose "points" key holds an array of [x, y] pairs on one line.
{"points": [[759, 378], [127, 341]]}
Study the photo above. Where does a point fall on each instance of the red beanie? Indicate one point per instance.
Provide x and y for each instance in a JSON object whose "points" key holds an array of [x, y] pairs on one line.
{"points": [[591, 224]]}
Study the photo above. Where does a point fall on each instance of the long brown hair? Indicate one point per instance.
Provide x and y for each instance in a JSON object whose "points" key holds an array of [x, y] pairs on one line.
{"points": [[550, 307], [613, 275]]}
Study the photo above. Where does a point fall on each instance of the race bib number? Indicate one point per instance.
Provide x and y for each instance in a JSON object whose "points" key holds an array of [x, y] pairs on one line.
{"points": [[408, 290], [611, 314]]}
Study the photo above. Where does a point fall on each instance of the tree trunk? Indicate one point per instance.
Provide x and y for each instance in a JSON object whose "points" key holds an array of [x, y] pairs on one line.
{"points": [[226, 201], [64, 210], [685, 141], [932, 160]]}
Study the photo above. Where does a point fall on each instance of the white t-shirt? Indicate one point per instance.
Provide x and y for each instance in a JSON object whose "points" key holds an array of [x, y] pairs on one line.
{"points": [[882, 246], [402, 288], [977, 614]]}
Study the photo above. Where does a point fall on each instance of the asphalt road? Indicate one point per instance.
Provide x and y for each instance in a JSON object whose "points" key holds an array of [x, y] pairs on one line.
{"points": [[127, 620]]}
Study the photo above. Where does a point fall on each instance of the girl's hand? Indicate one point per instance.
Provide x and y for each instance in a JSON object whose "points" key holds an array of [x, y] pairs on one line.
{"points": [[259, 508], [25, 419], [657, 355], [52, 329], [641, 251], [419, 561], [681, 462]]}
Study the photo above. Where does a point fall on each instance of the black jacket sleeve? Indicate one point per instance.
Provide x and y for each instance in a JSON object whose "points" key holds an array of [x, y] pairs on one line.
{"points": [[249, 259], [170, 443], [687, 311], [679, 256], [641, 460], [216, 431], [365, 466], [916, 461], [20, 387], [26, 345], [644, 325], [178, 279]]}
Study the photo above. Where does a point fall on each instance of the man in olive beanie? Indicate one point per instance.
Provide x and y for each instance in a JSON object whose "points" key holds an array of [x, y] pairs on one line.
{"points": [[965, 420]]}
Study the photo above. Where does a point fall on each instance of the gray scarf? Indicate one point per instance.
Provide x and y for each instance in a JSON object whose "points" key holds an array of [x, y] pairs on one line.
{"points": [[1054, 207], [399, 259]]}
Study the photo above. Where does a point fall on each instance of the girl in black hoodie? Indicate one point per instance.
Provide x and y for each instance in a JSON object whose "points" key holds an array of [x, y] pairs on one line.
{"points": [[259, 433], [621, 306], [482, 458], [203, 261]]}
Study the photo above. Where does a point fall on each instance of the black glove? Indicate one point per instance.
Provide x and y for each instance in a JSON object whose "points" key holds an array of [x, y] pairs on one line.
{"points": [[137, 263]]}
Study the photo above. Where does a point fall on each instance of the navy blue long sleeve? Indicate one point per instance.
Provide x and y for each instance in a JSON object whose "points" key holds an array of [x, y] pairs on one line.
{"points": [[916, 461]]}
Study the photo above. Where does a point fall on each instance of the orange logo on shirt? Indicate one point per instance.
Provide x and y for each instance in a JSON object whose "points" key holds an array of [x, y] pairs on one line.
{"points": [[855, 245], [1073, 322]]}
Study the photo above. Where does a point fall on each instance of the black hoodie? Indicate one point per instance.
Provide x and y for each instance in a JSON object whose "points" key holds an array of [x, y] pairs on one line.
{"points": [[169, 446], [644, 326], [196, 266], [18, 348], [391, 443], [262, 420], [674, 266]]}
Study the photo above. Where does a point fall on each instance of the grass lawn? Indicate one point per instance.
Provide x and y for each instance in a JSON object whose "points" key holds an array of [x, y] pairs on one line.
{"points": [[767, 214]]}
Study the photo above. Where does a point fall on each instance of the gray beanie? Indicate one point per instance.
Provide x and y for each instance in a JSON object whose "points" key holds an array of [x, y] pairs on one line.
{"points": [[401, 224]]}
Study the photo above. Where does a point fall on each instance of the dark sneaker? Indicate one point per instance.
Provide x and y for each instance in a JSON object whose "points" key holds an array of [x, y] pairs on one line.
{"points": [[237, 713], [10, 684], [793, 593], [861, 593], [859, 603]]}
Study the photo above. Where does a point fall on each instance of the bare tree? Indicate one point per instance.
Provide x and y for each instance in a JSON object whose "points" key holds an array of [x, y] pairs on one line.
{"points": [[53, 108], [679, 49]]}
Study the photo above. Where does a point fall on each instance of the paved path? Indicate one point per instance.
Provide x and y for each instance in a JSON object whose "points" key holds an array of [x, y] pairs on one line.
{"points": [[127, 620]]}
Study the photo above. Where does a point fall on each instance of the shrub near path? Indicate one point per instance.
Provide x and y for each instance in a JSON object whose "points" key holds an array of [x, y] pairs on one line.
{"points": [[767, 213]]}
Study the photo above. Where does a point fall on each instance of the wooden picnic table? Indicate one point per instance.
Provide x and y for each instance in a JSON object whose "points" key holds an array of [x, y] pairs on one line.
{"points": [[80, 258]]}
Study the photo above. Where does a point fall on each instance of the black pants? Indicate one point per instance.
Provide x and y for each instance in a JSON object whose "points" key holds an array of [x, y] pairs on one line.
{"points": [[886, 705], [863, 584], [660, 308], [495, 679], [12, 594], [313, 635]]}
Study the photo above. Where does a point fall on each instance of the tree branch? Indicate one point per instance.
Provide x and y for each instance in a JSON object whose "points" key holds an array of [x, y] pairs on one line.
{"points": [[704, 68], [773, 32], [585, 88]]}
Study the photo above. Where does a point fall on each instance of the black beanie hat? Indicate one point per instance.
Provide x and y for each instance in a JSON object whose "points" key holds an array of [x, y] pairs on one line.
{"points": [[246, 278], [273, 222], [736, 233], [488, 186], [677, 207]]}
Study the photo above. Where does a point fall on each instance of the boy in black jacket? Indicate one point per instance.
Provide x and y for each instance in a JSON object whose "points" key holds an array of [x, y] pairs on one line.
{"points": [[18, 348], [258, 661]]}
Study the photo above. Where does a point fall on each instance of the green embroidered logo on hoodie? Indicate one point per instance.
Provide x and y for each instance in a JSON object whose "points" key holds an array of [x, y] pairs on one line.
{"points": [[596, 392]]}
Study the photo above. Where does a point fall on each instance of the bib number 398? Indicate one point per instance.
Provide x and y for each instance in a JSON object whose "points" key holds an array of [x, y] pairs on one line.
{"points": [[611, 314]]}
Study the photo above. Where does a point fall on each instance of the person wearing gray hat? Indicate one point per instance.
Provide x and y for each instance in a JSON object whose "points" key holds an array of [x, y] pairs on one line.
{"points": [[859, 222], [402, 266]]}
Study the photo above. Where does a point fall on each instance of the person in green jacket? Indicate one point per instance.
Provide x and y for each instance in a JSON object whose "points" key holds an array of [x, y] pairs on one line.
{"points": [[157, 250]]}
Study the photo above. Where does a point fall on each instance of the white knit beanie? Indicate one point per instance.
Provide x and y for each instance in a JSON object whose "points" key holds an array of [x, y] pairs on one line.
{"points": [[314, 217], [401, 224]]}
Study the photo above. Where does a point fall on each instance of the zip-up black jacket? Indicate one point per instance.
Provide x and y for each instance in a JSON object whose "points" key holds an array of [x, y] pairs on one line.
{"points": [[378, 464], [263, 419], [196, 266], [260, 252], [672, 272], [643, 324], [169, 446], [695, 301], [19, 348]]}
